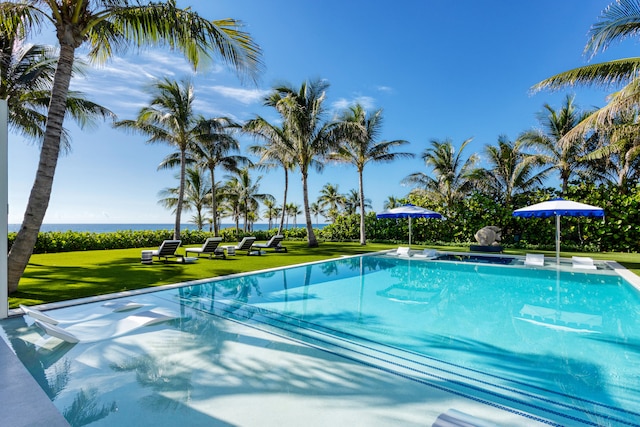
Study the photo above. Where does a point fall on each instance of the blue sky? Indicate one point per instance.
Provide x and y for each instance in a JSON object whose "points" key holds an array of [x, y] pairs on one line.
{"points": [[438, 70]]}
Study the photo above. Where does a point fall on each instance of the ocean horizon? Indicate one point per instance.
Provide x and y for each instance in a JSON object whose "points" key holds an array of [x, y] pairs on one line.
{"points": [[110, 228]]}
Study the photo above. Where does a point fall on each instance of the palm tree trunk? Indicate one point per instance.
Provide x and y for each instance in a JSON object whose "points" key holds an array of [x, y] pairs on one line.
{"points": [[176, 230], [312, 242], [363, 238], [214, 205], [284, 203], [38, 203]]}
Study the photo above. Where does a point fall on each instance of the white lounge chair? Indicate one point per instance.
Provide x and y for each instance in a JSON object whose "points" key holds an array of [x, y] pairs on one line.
{"points": [[210, 247], [403, 251], [168, 250], [115, 306], [583, 262], [274, 243], [427, 254], [95, 330], [534, 260]]}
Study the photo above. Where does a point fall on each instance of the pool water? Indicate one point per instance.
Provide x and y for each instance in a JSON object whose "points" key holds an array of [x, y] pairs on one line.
{"points": [[560, 345]]}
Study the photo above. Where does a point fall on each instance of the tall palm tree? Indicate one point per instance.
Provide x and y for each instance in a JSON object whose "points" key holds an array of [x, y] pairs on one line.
{"points": [[563, 155], [511, 170], [170, 119], [454, 175], [105, 27], [213, 149], [275, 153], [308, 137], [196, 195], [247, 192], [331, 200], [360, 147]]}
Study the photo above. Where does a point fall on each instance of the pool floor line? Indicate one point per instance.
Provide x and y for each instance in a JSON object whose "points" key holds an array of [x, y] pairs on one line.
{"points": [[310, 334]]}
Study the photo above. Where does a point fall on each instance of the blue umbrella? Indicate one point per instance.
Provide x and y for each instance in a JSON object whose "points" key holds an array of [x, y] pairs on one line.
{"points": [[409, 211], [559, 207]]}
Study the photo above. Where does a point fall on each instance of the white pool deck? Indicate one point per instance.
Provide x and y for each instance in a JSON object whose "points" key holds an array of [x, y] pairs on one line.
{"points": [[261, 378]]}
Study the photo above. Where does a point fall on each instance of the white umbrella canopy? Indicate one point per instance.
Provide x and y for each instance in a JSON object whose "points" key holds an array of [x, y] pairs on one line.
{"points": [[559, 207], [409, 211]]}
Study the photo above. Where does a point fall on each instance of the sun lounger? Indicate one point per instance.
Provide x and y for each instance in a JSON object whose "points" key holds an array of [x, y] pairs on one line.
{"points": [[534, 260], [274, 243], [582, 262], [245, 244], [403, 251], [427, 254], [114, 306], [95, 330], [210, 247], [168, 250]]}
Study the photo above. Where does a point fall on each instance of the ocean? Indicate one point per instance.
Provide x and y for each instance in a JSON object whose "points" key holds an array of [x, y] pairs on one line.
{"points": [[109, 228]]}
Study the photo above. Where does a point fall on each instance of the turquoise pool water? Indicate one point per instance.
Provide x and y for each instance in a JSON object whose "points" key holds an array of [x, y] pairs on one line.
{"points": [[562, 346]]}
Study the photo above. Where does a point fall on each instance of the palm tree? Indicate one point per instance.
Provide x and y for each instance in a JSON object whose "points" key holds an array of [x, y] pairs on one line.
{"points": [[293, 210], [510, 170], [271, 211], [454, 176], [615, 157], [170, 119], [316, 210], [307, 137], [273, 154], [617, 22], [361, 147], [564, 155], [26, 76], [331, 200], [352, 202], [107, 26], [391, 202], [246, 191], [196, 196], [213, 150]]}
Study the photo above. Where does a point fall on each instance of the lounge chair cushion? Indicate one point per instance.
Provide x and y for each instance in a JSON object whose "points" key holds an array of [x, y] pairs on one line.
{"points": [[536, 260]]}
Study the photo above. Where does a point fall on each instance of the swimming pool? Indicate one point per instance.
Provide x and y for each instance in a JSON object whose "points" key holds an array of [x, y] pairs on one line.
{"points": [[560, 347]]}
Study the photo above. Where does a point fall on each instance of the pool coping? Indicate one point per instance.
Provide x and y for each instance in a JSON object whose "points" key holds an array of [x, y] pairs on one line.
{"points": [[21, 393]]}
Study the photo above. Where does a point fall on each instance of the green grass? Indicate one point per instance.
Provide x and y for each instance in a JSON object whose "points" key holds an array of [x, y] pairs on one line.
{"points": [[70, 275]]}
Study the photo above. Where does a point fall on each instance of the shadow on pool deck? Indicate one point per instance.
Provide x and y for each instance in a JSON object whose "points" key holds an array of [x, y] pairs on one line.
{"points": [[24, 403]]}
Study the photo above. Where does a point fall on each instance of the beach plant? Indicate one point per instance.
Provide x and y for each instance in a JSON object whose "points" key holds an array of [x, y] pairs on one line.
{"points": [[361, 146], [106, 27]]}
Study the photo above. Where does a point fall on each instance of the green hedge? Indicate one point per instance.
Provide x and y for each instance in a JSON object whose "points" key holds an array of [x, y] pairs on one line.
{"points": [[67, 241]]}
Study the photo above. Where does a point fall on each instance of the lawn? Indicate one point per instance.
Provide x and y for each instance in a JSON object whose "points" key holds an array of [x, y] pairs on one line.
{"points": [[70, 275]]}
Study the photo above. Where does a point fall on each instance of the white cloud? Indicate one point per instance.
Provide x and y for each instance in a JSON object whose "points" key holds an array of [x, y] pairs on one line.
{"points": [[244, 96], [385, 89], [367, 102]]}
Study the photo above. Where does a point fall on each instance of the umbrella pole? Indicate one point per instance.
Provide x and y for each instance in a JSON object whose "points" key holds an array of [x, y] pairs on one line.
{"points": [[409, 232], [557, 239]]}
